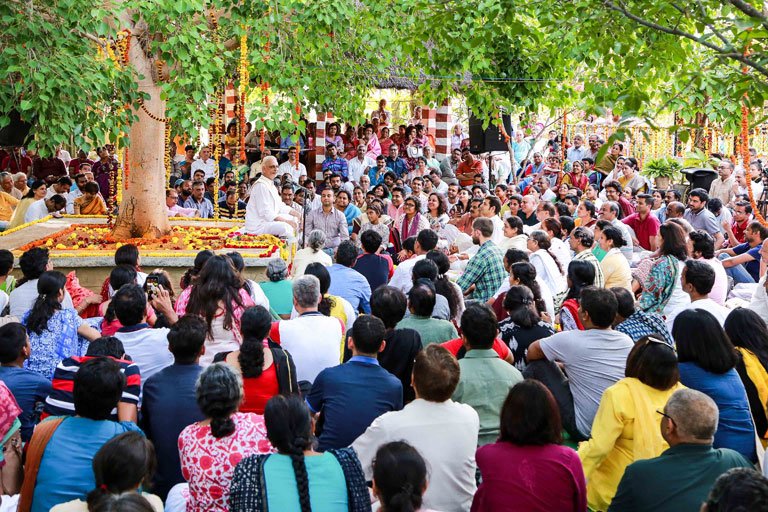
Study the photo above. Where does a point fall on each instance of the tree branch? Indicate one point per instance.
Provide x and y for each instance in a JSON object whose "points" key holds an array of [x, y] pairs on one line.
{"points": [[722, 52], [750, 11]]}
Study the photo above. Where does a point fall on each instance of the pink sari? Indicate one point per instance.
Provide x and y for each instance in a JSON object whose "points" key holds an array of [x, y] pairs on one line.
{"points": [[373, 149]]}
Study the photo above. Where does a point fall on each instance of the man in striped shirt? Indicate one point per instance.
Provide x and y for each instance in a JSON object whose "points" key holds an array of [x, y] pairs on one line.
{"points": [[61, 402]]}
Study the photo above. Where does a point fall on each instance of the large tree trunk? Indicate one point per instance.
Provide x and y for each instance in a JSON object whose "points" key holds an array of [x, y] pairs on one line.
{"points": [[142, 212]]}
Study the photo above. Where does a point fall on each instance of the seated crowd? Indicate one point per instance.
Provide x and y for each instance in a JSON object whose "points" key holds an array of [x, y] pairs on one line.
{"points": [[571, 340]]}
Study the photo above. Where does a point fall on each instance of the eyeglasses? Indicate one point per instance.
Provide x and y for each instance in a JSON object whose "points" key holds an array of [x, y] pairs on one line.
{"points": [[410, 205], [668, 417]]}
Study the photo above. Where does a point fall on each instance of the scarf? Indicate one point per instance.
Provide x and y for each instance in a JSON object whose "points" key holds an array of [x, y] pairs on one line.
{"points": [[573, 308], [648, 442], [759, 377], [408, 231]]}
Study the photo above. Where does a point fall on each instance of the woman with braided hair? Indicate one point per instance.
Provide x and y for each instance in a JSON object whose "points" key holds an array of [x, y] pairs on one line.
{"points": [[297, 478]]}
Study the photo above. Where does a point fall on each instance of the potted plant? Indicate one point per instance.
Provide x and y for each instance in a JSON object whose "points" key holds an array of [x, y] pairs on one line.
{"points": [[662, 170]]}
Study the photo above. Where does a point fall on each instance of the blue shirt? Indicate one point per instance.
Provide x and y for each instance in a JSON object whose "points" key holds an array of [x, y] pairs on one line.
{"points": [[350, 285], [351, 396], [205, 207], [753, 267], [374, 268], [735, 429], [397, 166], [66, 471], [327, 484], [338, 166], [168, 406], [29, 389], [372, 176]]}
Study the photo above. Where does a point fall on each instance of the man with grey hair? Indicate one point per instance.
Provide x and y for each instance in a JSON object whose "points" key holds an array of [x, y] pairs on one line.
{"points": [[579, 150], [360, 164], [610, 211], [6, 184], [313, 339], [266, 213], [680, 478]]}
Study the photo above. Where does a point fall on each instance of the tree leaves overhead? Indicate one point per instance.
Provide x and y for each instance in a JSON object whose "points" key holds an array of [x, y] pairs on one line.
{"points": [[636, 57]]}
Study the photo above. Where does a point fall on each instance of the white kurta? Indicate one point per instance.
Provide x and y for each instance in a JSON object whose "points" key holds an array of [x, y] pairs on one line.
{"points": [[264, 206]]}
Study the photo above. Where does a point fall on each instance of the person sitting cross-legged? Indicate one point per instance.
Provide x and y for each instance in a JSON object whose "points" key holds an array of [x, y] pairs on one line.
{"points": [[738, 489], [679, 478], [29, 388], [485, 378], [348, 283], [444, 431], [65, 471], [625, 427], [528, 469], [60, 401], [421, 304], [350, 396], [594, 359], [169, 404]]}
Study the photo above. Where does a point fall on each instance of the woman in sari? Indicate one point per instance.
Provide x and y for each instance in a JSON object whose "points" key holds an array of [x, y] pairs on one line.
{"points": [[662, 291], [412, 221], [372, 146], [91, 202], [626, 426], [586, 214], [35, 193], [576, 178], [409, 150]]}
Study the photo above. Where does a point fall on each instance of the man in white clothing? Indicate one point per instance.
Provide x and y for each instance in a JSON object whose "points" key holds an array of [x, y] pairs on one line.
{"points": [[426, 240], [205, 163], [312, 338], [43, 207], [266, 213], [360, 164], [697, 281], [292, 166], [445, 432], [490, 209]]}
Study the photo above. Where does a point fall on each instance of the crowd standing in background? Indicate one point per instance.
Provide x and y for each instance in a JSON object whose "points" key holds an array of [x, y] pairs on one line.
{"points": [[540, 334]]}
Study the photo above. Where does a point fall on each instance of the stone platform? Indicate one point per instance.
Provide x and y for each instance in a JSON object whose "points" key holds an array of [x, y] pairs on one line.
{"points": [[92, 270]]}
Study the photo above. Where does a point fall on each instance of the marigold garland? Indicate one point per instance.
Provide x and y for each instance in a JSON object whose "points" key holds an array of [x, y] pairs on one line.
{"points": [[167, 158], [563, 150], [25, 225], [243, 82]]}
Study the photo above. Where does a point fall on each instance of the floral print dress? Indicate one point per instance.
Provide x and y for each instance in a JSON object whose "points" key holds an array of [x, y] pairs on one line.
{"points": [[207, 463]]}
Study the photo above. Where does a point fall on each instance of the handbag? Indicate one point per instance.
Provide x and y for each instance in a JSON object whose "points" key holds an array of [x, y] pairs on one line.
{"points": [[35, 449]]}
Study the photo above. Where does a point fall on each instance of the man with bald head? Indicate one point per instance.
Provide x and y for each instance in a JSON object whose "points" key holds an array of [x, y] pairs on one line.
{"points": [[266, 213], [675, 210], [680, 478]]}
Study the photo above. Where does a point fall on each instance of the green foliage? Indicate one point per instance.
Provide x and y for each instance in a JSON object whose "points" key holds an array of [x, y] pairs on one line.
{"points": [[329, 55]]}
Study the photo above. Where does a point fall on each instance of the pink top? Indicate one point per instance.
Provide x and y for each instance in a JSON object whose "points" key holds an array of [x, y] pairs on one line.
{"points": [[207, 463], [529, 479], [221, 340]]}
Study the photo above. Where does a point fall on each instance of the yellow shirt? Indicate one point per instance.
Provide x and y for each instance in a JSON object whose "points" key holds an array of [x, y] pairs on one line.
{"points": [[616, 270], [626, 428], [7, 205]]}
